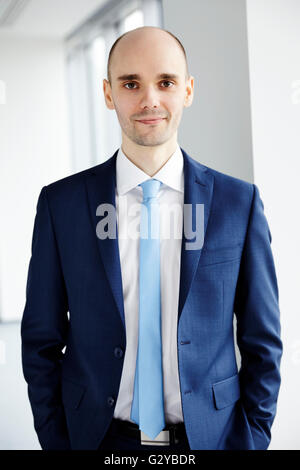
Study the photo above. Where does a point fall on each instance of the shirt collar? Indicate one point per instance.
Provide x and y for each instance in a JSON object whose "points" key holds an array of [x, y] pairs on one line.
{"points": [[129, 176]]}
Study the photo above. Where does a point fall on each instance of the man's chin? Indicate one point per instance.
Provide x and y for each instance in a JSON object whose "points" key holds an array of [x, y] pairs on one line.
{"points": [[150, 141], [150, 144]]}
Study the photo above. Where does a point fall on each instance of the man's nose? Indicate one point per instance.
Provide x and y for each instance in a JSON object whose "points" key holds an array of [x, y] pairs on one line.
{"points": [[150, 97]]}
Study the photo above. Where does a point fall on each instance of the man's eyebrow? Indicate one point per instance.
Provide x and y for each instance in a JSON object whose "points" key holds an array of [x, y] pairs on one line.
{"points": [[135, 76]]}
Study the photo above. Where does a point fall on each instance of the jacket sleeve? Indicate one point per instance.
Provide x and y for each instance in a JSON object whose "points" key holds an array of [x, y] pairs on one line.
{"points": [[44, 329], [258, 326]]}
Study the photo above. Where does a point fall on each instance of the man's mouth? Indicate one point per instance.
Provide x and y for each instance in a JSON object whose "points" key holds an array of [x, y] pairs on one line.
{"points": [[151, 121]]}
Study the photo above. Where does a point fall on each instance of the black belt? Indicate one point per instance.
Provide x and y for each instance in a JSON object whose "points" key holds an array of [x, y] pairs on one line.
{"points": [[171, 434]]}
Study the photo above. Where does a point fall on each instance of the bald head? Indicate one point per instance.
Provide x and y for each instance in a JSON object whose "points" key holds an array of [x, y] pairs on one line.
{"points": [[148, 34]]}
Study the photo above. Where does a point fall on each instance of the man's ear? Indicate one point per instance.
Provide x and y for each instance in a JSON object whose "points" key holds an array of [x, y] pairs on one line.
{"points": [[189, 93], [108, 94]]}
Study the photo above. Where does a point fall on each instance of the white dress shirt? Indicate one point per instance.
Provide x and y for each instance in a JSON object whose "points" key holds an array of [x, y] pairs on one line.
{"points": [[128, 177]]}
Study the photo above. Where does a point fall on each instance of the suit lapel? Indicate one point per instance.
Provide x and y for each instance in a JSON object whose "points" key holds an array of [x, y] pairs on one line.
{"points": [[101, 182], [198, 189]]}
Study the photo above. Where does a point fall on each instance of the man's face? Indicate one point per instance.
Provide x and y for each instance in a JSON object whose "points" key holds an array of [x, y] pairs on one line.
{"points": [[148, 81]]}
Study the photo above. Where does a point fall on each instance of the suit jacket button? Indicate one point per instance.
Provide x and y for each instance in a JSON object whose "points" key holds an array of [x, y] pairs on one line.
{"points": [[118, 352], [110, 401]]}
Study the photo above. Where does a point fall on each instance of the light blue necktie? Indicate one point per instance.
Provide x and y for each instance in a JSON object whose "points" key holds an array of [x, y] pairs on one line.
{"points": [[148, 398]]}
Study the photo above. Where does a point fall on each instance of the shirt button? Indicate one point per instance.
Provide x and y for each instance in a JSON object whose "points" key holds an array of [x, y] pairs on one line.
{"points": [[110, 401], [118, 352]]}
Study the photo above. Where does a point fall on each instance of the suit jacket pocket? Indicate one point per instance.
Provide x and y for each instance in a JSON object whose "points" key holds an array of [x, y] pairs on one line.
{"points": [[226, 392], [220, 255], [72, 393]]}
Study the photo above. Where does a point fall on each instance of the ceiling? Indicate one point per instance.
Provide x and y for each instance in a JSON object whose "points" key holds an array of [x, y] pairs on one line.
{"points": [[49, 18]]}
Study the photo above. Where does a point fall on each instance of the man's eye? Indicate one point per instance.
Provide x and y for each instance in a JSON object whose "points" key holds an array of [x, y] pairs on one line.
{"points": [[130, 83], [167, 81]]}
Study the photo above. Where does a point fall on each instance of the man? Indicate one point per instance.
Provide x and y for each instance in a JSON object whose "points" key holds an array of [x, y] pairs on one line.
{"points": [[150, 359]]}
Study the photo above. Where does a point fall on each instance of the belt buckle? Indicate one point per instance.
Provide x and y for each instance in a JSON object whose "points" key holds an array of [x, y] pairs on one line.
{"points": [[162, 439]]}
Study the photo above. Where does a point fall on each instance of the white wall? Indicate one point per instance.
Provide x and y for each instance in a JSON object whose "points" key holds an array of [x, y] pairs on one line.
{"points": [[34, 151], [216, 129], [274, 53]]}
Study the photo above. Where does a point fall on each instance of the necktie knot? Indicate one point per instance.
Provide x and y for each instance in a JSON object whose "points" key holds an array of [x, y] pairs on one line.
{"points": [[150, 188]]}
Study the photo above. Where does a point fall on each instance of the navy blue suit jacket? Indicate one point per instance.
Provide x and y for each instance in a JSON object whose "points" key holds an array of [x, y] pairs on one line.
{"points": [[73, 325]]}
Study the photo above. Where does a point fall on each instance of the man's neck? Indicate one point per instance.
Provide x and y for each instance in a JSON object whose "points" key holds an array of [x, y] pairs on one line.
{"points": [[149, 159]]}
